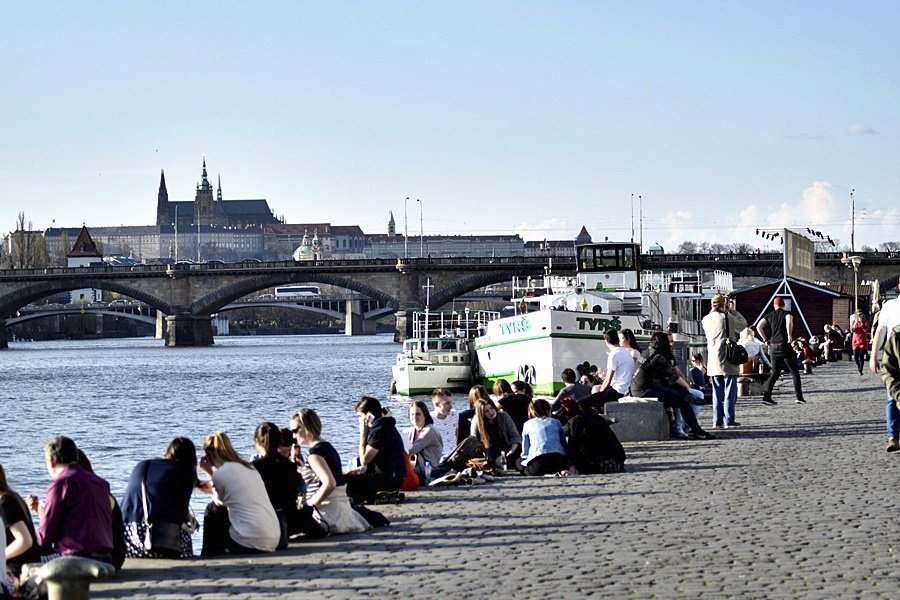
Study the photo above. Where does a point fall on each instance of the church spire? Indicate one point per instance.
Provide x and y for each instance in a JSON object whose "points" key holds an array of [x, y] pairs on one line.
{"points": [[219, 189], [162, 201], [204, 182]]}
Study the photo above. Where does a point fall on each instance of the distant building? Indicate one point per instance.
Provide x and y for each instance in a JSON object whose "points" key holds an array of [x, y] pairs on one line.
{"points": [[438, 246], [207, 210], [84, 253]]}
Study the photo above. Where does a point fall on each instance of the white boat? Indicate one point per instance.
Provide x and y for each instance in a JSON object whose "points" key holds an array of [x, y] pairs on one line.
{"points": [[560, 321], [438, 355]]}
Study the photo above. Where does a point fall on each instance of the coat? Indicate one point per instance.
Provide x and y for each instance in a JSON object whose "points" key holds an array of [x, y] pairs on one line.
{"points": [[714, 328]]}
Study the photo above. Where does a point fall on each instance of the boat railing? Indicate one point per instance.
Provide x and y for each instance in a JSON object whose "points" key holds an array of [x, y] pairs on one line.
{"points": [[456, 323]]}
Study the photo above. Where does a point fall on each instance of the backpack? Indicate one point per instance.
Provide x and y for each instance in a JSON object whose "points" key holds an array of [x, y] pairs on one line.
{"points": [[469, 448]]}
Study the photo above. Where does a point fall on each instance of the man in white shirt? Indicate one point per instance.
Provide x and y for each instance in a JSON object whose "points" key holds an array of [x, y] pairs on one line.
{"points": [[619, 372], [446, 419], [888, 318]]}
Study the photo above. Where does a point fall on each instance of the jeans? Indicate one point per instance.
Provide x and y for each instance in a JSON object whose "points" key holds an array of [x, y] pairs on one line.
{"points": [[679, 422], [783, 360], [893, 418], [724, 388], [859, 357], [674, 398]]}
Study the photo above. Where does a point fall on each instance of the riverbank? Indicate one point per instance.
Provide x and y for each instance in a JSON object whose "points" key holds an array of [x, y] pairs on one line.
{"points": [[796, 503]]}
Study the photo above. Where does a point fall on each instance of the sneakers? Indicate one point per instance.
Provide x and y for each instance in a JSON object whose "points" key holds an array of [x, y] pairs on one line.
{"points": [[730, 425], [703, 436], [767, 400], [718, 426], [893, 445], [677, 434], [800, 401]]}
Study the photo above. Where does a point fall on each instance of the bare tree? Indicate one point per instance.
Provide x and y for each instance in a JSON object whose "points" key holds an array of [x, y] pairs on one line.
{"points": [[28, 248], [686, 247]]}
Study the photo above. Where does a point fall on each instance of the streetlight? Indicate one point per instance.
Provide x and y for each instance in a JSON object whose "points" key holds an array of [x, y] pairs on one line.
{"points": [[853, 262], [421, 231], [176, 233], [405, 230]]}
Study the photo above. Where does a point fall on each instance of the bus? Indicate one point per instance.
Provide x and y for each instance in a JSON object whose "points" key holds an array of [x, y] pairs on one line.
{"points": [[297, 291]]}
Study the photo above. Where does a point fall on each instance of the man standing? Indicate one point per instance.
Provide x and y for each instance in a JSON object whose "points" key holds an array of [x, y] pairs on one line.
{"points": [[446, 420], [77, 517], [722, 373], [779, 338], [886, 319]]}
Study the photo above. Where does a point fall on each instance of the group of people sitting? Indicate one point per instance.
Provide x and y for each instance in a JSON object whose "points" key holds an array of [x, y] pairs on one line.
{"points": [[258, 505]]}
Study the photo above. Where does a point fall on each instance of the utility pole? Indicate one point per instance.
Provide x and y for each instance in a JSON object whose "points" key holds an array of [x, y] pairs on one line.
{"points": [[421, 231]]}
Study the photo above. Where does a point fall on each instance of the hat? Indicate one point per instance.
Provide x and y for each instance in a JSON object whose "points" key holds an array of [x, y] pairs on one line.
{"points": [[719, 300], [779, 301]]}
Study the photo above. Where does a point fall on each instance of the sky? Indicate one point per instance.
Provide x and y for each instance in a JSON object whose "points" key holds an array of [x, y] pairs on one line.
{"points": [[498, 117]]}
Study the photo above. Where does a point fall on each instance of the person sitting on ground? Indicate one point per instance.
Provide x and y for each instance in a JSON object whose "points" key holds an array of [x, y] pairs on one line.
{"points": [[280, 476], [425, 445], [591, 447], [20, 538], [543, 443], [446, 419], [77, 515], [326, 490], [382, 465], [515, 405], [476, 392], [287, 442], [571, 388], [859, 329], [497, 432], [523, 388], [164, 485], [628, 341], [656, 377], [755, 350], [835, 339], [240, 519]]}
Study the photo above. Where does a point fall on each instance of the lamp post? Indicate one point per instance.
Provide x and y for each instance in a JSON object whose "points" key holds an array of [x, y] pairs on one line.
{"points": [[421, 231], [176, 233], [853, 262], [198, 240], [405, 230]]}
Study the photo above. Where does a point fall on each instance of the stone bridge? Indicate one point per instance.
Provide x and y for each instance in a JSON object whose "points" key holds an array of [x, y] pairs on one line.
{"points": [[189, 294]]}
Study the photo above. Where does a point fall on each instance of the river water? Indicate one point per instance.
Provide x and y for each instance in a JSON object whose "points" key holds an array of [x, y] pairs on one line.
{"points": [[123, 400]]}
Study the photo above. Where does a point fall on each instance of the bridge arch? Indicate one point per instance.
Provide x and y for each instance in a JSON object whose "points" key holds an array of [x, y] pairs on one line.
{"points": [[26, 295], [74, 311], [216, 300], [473, 282]]}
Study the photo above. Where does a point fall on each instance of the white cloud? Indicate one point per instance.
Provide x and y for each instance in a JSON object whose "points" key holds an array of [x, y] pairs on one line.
{"points": [[550, 229], [858, 129]]}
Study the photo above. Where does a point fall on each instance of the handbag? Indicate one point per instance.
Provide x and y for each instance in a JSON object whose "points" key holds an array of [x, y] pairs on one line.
{"points": [[162, 536], [734, 352]]}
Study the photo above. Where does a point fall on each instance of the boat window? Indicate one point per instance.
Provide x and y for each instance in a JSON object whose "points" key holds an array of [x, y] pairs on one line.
{"points": [[607, 257]]}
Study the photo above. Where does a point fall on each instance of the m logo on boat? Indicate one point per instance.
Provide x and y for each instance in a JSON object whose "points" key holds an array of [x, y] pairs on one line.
{"points": [[597, 324]]}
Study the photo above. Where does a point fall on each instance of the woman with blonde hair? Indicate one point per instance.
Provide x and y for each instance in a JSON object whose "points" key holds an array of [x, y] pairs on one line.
{"points": [[240, 519], [326, 490]]}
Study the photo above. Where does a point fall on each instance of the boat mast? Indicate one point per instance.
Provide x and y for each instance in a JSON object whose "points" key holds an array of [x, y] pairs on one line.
{"points": [[427, 288]]}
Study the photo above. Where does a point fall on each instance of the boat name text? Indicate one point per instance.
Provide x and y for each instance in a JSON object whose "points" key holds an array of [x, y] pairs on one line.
{"points": [[596, 324]]}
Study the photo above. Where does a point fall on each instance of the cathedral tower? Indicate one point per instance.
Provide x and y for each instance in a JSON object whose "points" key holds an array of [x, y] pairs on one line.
{"points": [[162, 202]]}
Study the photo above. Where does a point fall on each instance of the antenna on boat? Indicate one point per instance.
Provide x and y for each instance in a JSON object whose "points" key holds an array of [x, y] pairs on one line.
{"points": [[641, 208], [632, 218]]}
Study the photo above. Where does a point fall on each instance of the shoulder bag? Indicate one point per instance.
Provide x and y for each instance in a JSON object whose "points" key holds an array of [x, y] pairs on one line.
{"points": [[734, 352]]}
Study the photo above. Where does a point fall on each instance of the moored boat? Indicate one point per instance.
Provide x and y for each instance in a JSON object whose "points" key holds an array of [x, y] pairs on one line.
{"points": [[438, 355], [560, 321]]}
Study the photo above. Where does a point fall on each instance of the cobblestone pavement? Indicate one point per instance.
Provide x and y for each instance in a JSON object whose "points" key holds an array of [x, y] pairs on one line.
{"points": [[799, 502]]}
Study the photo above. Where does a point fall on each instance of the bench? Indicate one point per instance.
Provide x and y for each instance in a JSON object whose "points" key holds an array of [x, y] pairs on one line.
{"points": [[639, 419], [751, 384]]}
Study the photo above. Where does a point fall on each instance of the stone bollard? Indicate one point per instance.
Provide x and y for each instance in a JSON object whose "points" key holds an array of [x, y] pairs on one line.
{"points": [[69, 577]]}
